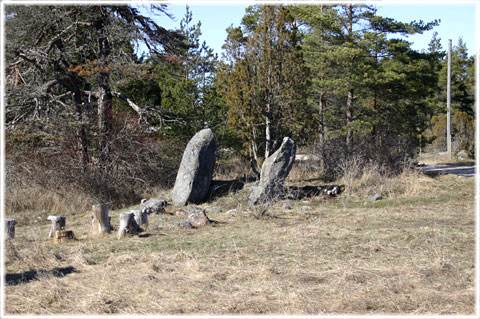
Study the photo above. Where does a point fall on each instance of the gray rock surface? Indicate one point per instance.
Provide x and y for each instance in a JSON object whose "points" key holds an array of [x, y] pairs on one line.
{"points": [[196, 169], [275, 170], [153, 206]]}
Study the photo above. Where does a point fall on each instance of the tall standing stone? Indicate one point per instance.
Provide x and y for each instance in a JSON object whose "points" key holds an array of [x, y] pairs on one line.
{"points": [[196, 169], [275, 170]]}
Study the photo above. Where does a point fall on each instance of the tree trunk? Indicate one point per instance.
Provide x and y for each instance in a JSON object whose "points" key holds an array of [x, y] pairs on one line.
{"points": [[104, 96], [100, 219], [349, 106], [58, 223], [349, 120], [268, 133], [81, 135], [10, 228], [321, 112]]}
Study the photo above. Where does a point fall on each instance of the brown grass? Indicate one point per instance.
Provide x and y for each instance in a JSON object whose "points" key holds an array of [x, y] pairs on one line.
{"points": [[411, 253]]}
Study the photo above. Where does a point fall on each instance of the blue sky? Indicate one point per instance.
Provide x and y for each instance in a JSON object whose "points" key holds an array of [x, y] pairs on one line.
{"points": [[458, 19]]}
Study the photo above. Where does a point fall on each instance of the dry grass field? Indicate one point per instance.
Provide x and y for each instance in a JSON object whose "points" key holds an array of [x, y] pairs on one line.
{"points": [[410, 253]]}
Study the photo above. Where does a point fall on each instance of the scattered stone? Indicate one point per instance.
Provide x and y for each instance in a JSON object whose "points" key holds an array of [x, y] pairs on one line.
{"points": [[275, 170], [196, 169], [287, 207], [375, 198], [306, 208], [334, 191], [198, 218], [153, 206], [180, 213], [232, 212]]}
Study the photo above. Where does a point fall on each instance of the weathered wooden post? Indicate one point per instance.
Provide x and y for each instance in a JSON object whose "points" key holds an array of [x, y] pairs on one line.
{"points": [[10, 228], [58, 223], [100, 219], [128, 225]]}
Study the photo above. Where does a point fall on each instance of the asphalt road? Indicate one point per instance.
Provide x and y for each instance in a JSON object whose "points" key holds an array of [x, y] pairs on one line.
{"points": [[466, 169]]}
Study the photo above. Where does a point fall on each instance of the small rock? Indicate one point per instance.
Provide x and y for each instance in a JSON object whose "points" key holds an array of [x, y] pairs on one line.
{"points": [[287, 207], [198, 218], [180, 213], [232, 211], [306, 208]]}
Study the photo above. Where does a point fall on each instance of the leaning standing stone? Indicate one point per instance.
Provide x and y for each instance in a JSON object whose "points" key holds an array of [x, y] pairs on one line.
{"points": [[275, 170], [196, 169]]}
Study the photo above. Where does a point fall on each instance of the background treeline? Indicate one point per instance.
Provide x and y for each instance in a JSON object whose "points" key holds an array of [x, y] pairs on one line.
{"points": [[87, 111]]}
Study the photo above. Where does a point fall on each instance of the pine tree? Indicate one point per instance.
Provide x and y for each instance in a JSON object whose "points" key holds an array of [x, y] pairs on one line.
{"points": [[265, 78], [359, 73]]}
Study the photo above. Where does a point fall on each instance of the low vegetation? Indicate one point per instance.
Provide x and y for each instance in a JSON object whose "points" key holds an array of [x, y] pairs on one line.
{"points": [[412, 253]]}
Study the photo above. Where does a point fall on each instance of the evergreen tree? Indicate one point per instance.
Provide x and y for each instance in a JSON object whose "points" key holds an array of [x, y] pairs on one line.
{"points": [[265, 77], [359, 76]]}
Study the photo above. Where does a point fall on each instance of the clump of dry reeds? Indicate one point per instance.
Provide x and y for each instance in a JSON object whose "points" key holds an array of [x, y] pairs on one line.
{"points": [[363, 179]]}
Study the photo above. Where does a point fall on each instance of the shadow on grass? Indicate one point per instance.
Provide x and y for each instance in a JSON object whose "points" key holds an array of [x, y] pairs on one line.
{"points": [[223, 188], [296, 193], [28, 276]]}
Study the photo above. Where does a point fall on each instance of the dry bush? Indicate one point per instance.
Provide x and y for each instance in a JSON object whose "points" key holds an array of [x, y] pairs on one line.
{"points": [[306, 171], [350, 169], [44, 174], [363, 179]]}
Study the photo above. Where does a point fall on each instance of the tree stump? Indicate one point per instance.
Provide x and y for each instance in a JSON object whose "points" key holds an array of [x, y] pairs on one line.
{"points": [[128, 225], [141, 217], [58, 223], [100, 219], [10, 228], [61, 236]]}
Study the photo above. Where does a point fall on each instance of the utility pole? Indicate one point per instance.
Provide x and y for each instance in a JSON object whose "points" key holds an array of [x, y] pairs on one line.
{"points": [[449, 89]]}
